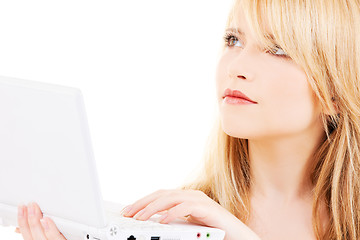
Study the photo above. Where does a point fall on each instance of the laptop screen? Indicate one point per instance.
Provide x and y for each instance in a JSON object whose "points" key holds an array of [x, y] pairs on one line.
{"points": [[45, 151]]}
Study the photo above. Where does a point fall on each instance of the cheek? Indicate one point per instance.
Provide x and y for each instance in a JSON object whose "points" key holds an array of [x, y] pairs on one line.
{"points": [[221, 78], [288, 102]]}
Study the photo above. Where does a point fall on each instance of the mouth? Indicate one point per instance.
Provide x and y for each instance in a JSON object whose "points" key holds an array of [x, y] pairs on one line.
{"points": [[236, 94]]}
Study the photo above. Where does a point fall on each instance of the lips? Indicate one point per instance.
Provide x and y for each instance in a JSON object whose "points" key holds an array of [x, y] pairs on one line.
{"points": [[236, 93]]}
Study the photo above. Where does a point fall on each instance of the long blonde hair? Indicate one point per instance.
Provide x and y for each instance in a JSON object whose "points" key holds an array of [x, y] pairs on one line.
{"points": [[323, 38]]}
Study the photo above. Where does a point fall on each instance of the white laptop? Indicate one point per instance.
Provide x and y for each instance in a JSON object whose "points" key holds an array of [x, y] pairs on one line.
{"points": [[46, 156]]}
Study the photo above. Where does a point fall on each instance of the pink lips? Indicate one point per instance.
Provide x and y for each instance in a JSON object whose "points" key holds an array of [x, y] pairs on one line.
{"points": [[235, 96]]}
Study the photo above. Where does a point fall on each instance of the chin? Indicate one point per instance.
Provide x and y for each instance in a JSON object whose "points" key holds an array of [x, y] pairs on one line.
{"points": [[236, 132], [243, 130]]}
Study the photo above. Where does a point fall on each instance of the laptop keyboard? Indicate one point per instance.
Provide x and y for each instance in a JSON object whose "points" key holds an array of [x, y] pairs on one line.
{"points": [[113, 211], [131, 223], [152, 228]]}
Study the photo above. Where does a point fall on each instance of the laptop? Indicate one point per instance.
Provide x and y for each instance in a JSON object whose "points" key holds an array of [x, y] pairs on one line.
{"points": [[45, 139]]}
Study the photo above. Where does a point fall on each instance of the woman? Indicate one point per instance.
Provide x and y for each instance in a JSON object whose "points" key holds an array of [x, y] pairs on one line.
{"points": [[283, 164]]}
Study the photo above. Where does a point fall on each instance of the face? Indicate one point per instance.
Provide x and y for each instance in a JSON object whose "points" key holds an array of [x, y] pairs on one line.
{"points": [[286, 104]]}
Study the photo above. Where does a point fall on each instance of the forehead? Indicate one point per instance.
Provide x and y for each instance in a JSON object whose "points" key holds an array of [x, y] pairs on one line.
{"points": [[256, 27]]}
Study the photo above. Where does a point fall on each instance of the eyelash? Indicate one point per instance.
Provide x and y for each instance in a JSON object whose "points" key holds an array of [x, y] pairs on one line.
{"points": [[229, 36]]}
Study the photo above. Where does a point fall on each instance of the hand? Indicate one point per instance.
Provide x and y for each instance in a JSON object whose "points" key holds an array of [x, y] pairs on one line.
{"points": [[33, 226], [195, 206]]}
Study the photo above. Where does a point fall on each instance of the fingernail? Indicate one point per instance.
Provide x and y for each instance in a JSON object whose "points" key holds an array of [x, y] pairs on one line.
{"points": [[126, 210], [162, 218], [138, 215], [31, 210], [20, 211], [44, 224]]}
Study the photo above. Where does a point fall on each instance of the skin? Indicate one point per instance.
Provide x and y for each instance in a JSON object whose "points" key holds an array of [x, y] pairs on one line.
{"points": [[33, 226], [283, 129]]}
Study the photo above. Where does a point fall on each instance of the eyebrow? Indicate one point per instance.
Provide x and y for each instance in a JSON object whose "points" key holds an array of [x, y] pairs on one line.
{"points": [[240, 32], [237, 30]]}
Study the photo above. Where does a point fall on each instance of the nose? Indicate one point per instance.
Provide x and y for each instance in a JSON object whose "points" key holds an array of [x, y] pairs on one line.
{"points": [[242, 65]]}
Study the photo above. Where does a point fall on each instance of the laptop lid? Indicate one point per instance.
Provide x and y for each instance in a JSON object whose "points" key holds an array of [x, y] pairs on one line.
{"points": [[46, 157], [44, 135]]}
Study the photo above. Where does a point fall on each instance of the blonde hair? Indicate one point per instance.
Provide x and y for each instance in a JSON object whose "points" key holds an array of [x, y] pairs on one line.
{"points": [[323, 38]]}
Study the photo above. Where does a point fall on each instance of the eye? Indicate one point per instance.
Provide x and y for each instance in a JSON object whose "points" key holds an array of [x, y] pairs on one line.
{"points": [[278, 52], [231, 40]]}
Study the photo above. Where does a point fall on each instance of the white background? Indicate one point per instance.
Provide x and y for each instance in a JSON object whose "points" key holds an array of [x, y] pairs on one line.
{"points": [[147, 73]]}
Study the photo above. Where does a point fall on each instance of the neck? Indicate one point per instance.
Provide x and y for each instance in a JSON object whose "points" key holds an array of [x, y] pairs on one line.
{"points": [[280, 167]]}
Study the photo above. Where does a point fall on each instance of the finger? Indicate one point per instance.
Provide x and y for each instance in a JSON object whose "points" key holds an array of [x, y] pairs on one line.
{"points": [[182, 210], [23, 223], [50, 229], [165, 202], [17, 230], [185, 211], [162, 212], [131, 210], [125, 210], [160, 204], [34, 216]]}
